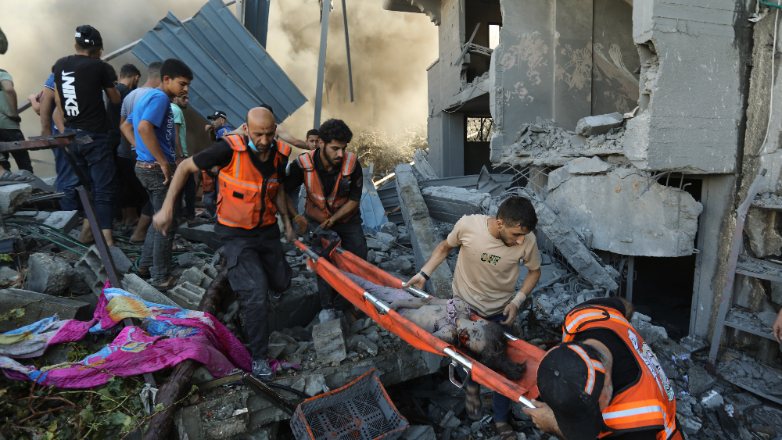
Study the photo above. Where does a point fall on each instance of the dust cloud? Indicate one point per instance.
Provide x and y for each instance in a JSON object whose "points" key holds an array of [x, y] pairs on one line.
{"points": [[390, 53]]}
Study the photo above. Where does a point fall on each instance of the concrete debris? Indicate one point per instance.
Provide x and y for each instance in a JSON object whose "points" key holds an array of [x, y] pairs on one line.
{"points": [[201, 233], [187, 295], [763, 235], [599, 203], [329, 342], [571, 247], [421, 229], [12, 196], [8, 276], [651, 333], [699, 380], [281, 344], [598, 124], [422, 166], [545, 143], [712, 400], [362, 343], [419, 432], [449, 204], [48, 274], [62, 220], [135, 284], [584, 165], [37, 306]]}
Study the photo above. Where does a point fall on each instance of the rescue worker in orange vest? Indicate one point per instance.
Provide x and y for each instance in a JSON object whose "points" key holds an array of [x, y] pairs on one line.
{"points": [[250, 195], [603, 380], [333, 180]]}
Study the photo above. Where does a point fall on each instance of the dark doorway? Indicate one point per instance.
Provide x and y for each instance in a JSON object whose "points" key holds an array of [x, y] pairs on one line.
{"points": [[663, 287]]}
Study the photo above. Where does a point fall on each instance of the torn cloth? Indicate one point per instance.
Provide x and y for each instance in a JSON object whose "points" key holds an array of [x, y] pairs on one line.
{"points": [[167, 336]]}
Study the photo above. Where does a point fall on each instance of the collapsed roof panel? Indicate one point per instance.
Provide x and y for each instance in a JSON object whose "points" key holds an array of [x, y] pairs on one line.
{"points": [[232, 72]]}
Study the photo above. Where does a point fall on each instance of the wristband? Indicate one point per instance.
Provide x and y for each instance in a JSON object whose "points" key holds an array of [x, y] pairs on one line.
{"points": [[424, 274]]}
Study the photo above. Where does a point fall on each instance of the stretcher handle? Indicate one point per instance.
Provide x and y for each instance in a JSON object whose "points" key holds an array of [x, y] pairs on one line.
{"points": [[457, 360], [381, 307]]}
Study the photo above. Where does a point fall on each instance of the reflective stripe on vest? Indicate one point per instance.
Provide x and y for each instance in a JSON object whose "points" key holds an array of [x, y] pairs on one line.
{"points": [[244, 198], [650, 402], [318, 206]]}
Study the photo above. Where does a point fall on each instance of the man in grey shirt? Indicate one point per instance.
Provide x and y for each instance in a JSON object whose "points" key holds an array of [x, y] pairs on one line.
{"points": [[132, 195]]}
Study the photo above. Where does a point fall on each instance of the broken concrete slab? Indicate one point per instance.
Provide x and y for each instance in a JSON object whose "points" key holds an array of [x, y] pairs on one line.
{"points": [[584, 165], [62, 220], [699, 380], [37, 306], [421, 229], [569, 244], [297, 306], [449, 204], [628, 213], [121, 261], [137, 286], [421, 164], [598, 124], [763, 236], [90, 266], [8, 276], [329, 342], [196, 277], [47, 273], [419, 432], [651, 333], [201, 233], [12, 196]]}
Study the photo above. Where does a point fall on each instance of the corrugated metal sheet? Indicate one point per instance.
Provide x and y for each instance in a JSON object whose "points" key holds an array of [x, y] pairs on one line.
{"points": [[232, 72]]}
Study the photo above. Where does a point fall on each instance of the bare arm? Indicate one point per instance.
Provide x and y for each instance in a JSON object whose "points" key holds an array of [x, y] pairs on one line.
{"points": [[113, 94], [177, 142], [281, 200], [439, 255], [127, 130], [163, 218], [47, 109], [10, 93], [344, 211], [285, 135]]}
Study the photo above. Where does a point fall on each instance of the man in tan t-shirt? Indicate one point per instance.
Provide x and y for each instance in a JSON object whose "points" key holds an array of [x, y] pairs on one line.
{"points": [[490, 250]]}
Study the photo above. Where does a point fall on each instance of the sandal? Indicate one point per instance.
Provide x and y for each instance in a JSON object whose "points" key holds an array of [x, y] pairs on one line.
{"points": [[505, 431], [472, 402]]}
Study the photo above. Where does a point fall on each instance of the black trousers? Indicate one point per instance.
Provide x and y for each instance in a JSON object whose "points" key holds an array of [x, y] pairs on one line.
{"points": [[353, 240], [255, 266], [22, 158]]}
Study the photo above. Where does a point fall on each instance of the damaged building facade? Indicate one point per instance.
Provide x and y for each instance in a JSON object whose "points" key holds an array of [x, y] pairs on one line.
{"points": [[641, 125]]}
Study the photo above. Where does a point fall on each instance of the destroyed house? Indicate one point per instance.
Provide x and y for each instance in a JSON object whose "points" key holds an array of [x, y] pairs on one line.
{"points": [[641, 124]]}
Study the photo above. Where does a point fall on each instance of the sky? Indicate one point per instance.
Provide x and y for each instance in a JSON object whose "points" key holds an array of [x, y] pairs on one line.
{"points": [[390, 53]]}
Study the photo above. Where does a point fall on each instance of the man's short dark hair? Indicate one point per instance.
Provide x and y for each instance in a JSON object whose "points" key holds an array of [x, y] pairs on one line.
{"points": [[313, 132], [518, 211], [335, 130], [129, 70], [174, 68], [154, 68]]}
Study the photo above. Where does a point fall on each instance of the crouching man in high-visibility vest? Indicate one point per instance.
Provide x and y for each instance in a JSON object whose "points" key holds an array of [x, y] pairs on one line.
{"points": [[603, 380], [333, 180], [249, 196]]}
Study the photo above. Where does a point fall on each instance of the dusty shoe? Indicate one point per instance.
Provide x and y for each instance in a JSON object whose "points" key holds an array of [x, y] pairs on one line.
{"points": [[472, 402], [262, 370], [164, 284]]}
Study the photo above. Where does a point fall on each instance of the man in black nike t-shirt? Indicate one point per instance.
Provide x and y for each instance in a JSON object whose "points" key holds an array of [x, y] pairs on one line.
{"points": [[80, 81]]}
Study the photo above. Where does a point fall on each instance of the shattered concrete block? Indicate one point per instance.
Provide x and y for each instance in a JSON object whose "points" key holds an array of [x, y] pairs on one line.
{"points": [[187, 295], [764, 238], [583, 165], [629, 213], [8, 276], [651, 333], [12, 196], [62, 220], [329, 342], [280, 343], [297, 306], [776, 293], [598, 124], [390, 228], [202, 234], [137, 286], [569, 244], [37, 306], [315, 384], [699, 380], [195, 276], [361, 343], [48, 274], [449, 204], [423, 235], [421, 164]]}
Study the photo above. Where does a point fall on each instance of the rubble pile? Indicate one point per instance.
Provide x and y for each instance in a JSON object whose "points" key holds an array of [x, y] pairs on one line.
{"points": [[545, 143]]}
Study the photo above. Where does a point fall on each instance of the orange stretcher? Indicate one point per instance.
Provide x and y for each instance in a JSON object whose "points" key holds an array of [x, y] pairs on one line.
{"points": [[518, 350]]}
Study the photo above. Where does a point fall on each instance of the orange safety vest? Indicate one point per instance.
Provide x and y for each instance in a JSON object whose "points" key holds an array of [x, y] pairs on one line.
{"points": [[245, 199], [319, 206], [648, 403]]}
